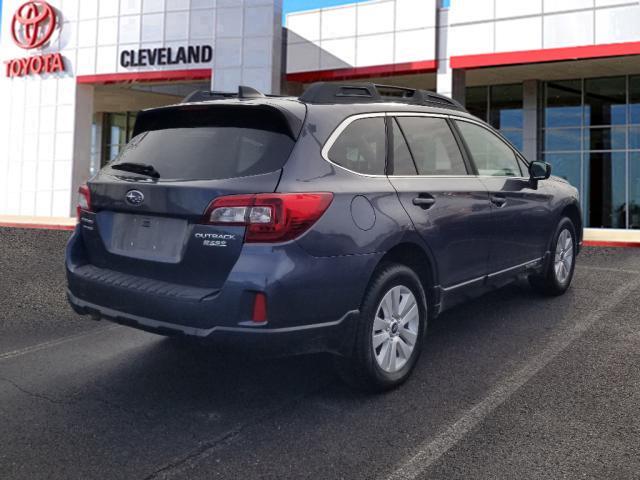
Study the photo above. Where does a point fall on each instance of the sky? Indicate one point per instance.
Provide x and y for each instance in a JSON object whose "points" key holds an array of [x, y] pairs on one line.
{"points": [[297, 5]]}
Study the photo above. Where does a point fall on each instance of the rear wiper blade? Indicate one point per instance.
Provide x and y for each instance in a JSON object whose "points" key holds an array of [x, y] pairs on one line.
{"points": [[140, 168]]}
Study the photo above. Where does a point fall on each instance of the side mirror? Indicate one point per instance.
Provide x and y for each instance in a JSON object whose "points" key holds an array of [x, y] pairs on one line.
{"points": [[539, 170]]}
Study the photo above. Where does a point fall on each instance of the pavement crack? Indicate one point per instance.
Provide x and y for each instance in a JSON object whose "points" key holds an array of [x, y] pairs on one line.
{"points": [[206, 448], [75, 401], [33, 394]]}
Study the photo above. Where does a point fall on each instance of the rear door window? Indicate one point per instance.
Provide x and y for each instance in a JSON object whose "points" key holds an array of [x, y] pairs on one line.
{"points": [[361, 147], [491, 155], [210, 144], [433, 146]]}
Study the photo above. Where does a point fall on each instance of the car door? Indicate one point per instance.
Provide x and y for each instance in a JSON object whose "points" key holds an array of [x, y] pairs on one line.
{"points": [[448, 207], [521, 213]]}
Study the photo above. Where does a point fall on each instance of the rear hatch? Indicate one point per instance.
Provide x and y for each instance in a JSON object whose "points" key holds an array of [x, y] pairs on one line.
{"points": [[147, 208]]}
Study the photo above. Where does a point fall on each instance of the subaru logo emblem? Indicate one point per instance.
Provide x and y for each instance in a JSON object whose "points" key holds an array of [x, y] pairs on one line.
{"points": [[135, 197]]}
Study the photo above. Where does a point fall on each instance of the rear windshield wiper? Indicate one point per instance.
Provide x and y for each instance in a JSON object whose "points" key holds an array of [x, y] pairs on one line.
{"points": [[140, 168]]}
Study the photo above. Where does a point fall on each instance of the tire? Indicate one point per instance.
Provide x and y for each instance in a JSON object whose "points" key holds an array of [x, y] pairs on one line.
{"points": [[557, 276], [398, 335]]}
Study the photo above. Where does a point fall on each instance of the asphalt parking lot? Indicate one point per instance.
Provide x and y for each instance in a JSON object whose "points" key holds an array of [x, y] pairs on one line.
{"points": [[512, 385]]}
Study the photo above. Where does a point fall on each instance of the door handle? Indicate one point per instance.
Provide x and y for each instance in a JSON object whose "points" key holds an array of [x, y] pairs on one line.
{"points": [[424, 202], [498, 200]]}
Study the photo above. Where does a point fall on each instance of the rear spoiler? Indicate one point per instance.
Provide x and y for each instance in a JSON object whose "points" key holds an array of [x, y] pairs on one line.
{"points": [[287, 120]]}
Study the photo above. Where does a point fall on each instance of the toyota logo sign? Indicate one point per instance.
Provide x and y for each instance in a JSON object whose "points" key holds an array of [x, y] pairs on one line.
{"points": [[33, 24]]}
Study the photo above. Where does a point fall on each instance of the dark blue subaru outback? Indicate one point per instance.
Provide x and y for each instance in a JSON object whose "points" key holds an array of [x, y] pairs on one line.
{"points": [[341, 221]]}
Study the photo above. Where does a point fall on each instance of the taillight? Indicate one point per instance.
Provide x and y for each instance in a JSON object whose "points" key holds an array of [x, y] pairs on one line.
{"points": [[269, 217], [84, 199]]}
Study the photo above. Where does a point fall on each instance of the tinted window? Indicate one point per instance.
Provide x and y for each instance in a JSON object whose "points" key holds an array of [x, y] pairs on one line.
{"points": [[208, 144], [402, 161], [605, 101], [433, 146], [491, 155], [563, 104], [362, 147]]}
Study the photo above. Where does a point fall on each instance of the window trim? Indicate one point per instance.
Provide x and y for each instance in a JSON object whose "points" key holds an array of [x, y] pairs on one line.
{"points": [[341, 128], [451, 119]]}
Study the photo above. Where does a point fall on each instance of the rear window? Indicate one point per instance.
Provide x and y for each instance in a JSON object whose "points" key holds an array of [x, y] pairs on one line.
{"points": [[204, 143], [362, 147]]}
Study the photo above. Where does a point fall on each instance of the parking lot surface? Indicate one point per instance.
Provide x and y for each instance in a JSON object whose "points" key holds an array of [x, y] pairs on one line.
{"points": [[512, 385]]}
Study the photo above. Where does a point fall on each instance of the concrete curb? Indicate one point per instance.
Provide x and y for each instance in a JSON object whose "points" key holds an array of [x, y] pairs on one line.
{"points": [[40, 223]]}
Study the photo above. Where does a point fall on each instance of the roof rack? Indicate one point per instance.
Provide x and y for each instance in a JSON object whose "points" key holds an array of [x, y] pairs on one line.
{"points": [[206, 95], [331, 93]]}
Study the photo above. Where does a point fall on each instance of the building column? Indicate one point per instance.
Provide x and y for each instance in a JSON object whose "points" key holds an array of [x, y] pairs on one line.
{"points": [[530, 95], [82, 141], [451, 83]]}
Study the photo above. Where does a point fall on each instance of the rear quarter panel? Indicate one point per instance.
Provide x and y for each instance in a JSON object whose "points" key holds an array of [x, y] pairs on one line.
{"points": [[365, 216]]}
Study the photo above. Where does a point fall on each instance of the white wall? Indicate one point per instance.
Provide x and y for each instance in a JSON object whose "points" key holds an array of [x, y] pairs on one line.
{"points": [[45, 120], [379, 32], [493, 26], [37, 128]]}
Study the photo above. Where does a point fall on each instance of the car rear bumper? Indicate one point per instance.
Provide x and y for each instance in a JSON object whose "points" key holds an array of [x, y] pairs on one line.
{"points": [[335, 336], [311, 301]]}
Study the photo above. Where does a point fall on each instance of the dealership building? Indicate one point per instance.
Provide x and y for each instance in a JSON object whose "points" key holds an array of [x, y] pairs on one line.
{"points": [[560, 79]]}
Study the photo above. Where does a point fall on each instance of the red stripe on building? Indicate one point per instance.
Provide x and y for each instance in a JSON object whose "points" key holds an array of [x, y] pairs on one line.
{"points": [[545, 55], [598, 243], [155, 76], [427, 66]]}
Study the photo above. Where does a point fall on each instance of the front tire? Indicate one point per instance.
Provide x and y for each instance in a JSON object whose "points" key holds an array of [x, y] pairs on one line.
{"points": [[556, 278], [390, 331]]}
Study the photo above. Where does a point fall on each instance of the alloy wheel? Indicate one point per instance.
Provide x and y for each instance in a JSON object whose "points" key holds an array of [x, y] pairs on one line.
{"points": [[564, 256], [395, 329]]}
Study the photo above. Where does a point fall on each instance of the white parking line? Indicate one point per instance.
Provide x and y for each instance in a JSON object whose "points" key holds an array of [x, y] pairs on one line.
{"points": [[430, 451], [53, 343]]}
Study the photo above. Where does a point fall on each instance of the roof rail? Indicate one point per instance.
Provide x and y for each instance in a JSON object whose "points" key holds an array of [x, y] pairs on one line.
{"points": [[331, 93], [206, 95]]}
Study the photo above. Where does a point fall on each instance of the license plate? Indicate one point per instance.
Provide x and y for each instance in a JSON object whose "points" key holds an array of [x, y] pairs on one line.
{"points": [[148, 237]]}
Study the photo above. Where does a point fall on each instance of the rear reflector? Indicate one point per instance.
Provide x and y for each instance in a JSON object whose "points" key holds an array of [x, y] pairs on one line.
{"points": [[269, 217], [259, 308]]}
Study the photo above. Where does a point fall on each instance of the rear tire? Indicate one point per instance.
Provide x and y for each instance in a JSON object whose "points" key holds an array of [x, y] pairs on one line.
{"points": [[557, 276], [390, 331]]}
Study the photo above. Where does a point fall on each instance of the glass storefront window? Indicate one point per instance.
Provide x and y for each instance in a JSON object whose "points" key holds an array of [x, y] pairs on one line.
{"points": [[634, 190], [500, 106], [634, 138], [563, 104], [605, 101], [477, 102], [634, 100], [567, 166], [589, 137], [605, 175], [562, 139], [605, 138], [590, 134], [506, 107]]}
